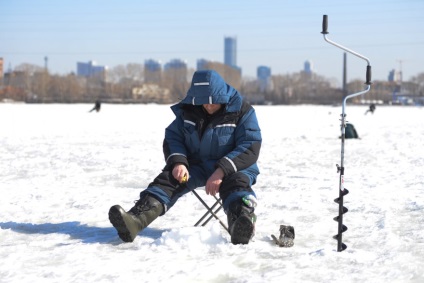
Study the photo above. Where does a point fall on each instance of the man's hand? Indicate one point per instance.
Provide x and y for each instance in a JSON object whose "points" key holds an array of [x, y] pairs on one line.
{"points": [[214, 182], [180, 173]]}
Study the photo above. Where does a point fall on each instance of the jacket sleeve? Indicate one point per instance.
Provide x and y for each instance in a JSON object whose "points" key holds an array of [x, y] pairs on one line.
{"points": [[174, 149], [248, 144]]}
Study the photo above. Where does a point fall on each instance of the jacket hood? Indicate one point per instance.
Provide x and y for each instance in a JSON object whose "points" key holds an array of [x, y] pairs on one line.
{"points": [[208, 87]]}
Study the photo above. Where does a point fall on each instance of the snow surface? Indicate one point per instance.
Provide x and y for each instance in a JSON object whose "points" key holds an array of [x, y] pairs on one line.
{"points": [[61, 168]]}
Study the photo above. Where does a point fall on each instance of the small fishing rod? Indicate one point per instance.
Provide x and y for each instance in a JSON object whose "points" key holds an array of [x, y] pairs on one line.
{"points": [[340, 168]]}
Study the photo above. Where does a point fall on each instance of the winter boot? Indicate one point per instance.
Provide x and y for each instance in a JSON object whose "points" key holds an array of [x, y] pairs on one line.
{"points": [[129, 224], [241, 222]]}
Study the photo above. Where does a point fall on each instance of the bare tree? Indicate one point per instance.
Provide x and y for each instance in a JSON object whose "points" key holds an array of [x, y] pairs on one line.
{"points": [[231, 75], [175, 79], [130, 72]]}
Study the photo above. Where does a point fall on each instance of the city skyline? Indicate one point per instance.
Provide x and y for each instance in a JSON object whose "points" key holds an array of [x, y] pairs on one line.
{"points": [[279, 35]]}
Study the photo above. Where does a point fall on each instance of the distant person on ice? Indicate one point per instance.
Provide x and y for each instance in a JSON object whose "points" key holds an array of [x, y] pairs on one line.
{"points": [[371, 109], [214, 142], [97, 106]]}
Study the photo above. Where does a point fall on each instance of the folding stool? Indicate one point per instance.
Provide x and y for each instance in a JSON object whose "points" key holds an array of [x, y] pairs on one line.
{"points": [[211, 211]]}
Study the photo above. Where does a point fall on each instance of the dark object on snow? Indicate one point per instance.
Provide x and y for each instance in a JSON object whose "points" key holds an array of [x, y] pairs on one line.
{"points": [[371, 109], [350, 132], [96, 106], [286, 237]]}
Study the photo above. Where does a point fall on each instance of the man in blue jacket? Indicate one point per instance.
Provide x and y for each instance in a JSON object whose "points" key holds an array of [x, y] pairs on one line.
{"points": [[214, 142]]}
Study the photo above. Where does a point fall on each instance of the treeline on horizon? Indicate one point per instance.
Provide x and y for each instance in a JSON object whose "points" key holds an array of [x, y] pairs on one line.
{"points": [[131, 83]]}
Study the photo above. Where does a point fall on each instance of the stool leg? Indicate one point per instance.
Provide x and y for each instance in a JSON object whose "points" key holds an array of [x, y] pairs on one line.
{"points": [[207, 212], [210, 210], [218, 202]]}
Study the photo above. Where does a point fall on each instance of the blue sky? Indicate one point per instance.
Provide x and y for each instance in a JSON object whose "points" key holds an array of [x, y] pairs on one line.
{"points": [[275, 33]]}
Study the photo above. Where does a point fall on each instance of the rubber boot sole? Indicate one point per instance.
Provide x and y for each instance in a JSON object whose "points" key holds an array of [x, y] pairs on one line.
{"points": [[123, 223], [242, 230]]}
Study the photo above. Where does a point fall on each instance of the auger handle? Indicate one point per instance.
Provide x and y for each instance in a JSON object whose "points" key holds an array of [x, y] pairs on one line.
{"points": [[325, 32], [368, 79], [324, 24]]}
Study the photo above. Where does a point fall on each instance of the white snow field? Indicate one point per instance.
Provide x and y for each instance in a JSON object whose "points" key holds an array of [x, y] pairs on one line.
{"points": [[61, 168]]}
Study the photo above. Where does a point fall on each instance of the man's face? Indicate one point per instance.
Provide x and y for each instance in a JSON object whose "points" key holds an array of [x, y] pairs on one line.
{"points": [[212, 108]]}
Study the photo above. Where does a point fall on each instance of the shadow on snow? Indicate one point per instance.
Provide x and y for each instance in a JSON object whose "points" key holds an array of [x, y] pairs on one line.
{"points": [[76, 230]]}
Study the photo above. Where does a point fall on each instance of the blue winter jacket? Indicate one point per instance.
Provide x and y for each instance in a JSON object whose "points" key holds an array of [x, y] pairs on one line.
{"points": [[231, 140]]}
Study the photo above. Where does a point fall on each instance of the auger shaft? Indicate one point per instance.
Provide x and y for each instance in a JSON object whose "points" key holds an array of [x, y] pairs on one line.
{"points": [[340, 168]]}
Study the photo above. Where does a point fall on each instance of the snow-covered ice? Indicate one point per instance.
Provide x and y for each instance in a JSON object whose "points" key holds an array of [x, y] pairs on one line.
{"points": [[61, 168]]}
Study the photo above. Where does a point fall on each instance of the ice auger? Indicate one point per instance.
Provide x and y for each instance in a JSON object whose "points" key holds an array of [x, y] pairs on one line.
{"points": [[340, 168]]}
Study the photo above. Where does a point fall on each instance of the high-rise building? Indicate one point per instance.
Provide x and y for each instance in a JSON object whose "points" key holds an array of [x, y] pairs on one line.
{"points": [[263, 74], [307, 67], [202, 64], [46, 63], [391, 77], [395, 76], [152, 71], [152, 65], [230, 51], [90, 69], [176, 70], [175, 64]]}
